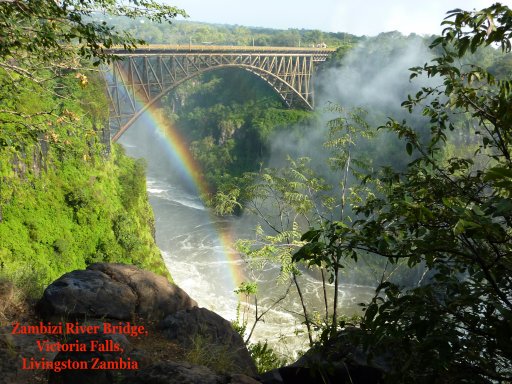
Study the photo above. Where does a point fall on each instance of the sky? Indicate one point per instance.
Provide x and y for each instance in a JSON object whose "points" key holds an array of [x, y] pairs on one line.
{"points": [[369, 17]]}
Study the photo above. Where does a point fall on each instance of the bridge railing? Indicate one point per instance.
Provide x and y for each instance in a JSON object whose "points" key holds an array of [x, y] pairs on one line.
{"points": [[160, 48]]}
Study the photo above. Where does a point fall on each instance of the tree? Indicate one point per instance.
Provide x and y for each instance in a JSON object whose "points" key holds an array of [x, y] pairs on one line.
{"points": [[449, 213], [284, 200], [52, 31], [288, 200]]}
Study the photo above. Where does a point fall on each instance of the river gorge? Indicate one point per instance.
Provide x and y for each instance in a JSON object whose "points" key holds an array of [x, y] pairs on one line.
{"points": [[197, 247]]}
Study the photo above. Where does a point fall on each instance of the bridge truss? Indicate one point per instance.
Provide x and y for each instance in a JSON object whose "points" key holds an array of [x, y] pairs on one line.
{"points": [[143, 76]]}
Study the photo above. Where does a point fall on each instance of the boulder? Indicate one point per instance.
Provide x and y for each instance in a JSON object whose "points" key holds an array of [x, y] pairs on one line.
{"points": [[13, 348], [174, 373], [91, 294], [188, 326], [338, 361], [114, 291], [239, 378]]}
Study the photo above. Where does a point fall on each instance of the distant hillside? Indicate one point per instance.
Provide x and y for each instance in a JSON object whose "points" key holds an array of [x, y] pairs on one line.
{"points": [[185, 32]]}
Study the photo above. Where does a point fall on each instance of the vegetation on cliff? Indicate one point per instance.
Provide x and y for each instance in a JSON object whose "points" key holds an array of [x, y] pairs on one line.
{"points": [[227, 135]]}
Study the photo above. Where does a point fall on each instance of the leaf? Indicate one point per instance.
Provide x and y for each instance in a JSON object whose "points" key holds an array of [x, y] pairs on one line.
{"points": [[370, 312], [498, 173], [311, 235], [504, 207], [408, 148], [463, 225], [309, 252], [463, 46]]}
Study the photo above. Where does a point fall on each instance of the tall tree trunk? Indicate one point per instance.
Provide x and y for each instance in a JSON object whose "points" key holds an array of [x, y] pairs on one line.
{"points": [[335, 304], [308, 325], [325, 296]]}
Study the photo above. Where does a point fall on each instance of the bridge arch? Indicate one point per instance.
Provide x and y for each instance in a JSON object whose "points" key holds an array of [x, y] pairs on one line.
{"points": [[143, 77], [268, 77]]}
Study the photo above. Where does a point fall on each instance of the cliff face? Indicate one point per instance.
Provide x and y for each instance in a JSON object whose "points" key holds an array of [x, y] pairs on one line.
{"points": [[76, 213], [68, 199]]}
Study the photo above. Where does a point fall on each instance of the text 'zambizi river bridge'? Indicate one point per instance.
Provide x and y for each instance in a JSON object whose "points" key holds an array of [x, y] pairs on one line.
{"points": [[144, 75]]}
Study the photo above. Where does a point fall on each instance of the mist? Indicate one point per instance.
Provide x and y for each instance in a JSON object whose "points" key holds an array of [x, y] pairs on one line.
{"points": [[373, 76]]}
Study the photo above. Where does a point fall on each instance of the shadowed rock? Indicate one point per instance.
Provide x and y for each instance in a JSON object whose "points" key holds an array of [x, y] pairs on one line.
{"points": [[338, 361], [13, 348], [174, 373]]}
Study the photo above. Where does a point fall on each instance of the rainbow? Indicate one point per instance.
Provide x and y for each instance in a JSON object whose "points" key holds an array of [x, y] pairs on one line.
{"points": [[177, 149]]}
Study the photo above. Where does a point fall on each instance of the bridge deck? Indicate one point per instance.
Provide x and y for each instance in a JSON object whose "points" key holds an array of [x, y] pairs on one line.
{"points": [[220, 49]]}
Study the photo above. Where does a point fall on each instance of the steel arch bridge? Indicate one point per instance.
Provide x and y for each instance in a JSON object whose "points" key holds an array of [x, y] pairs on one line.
{"points": [[144, 76]]}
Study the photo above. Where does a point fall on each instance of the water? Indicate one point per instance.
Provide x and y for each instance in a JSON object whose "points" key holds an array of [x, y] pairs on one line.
{"points": [[189, 238]]}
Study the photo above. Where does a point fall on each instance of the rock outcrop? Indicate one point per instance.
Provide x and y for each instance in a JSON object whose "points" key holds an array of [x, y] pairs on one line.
{"points": [[113, 291], [188, 325], [116, 294]]}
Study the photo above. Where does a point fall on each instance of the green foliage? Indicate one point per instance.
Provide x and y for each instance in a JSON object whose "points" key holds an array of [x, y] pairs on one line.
{"points": [[287, 200], [225, 203], [212, 354], [134, 185], [72, 216], [64, 203], [240, 324], [247, 289], [448, 214], [265, 357]]}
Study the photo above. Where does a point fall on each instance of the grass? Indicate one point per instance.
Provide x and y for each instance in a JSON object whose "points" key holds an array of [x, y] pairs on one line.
{"points": [[219, 358]]}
